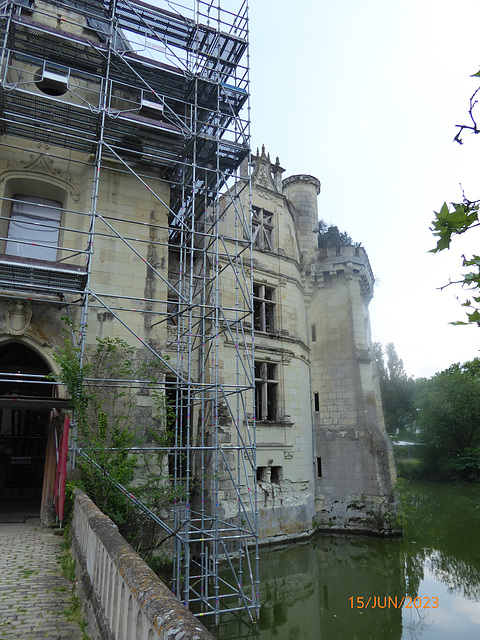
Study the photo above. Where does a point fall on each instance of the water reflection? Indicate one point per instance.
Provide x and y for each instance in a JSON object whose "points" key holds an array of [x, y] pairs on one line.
{"points": [[320, 599], [315, 590], [441, 535]]}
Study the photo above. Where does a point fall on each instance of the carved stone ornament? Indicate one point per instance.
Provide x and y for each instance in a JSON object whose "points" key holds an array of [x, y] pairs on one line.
{"points": [[286, 358], [41, 167], [18, 316], [262, 172]]}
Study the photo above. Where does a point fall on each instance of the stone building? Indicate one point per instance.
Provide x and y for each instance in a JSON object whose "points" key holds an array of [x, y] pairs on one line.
{"points": [[127, 208], [323, 455]]}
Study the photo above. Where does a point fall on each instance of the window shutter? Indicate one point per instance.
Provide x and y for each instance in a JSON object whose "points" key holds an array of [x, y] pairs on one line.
{"points": [[34, 227]]}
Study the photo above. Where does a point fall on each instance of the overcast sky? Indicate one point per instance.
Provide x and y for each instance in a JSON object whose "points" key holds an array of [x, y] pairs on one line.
{"points": [[365, 95]]}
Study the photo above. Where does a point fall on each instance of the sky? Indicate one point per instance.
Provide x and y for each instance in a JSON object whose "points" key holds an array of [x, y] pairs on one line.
{"points": [[365, 96]]}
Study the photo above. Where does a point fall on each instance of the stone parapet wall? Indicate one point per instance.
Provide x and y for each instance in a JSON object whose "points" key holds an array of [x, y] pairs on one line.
{"points": [[353, 260], [122, 596]]}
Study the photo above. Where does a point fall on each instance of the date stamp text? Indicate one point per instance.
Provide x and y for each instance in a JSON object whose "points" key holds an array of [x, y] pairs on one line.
{"points": [[395, 602]]}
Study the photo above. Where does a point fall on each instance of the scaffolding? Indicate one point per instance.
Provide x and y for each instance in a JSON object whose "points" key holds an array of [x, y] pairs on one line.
{"points": [[157, 93]]}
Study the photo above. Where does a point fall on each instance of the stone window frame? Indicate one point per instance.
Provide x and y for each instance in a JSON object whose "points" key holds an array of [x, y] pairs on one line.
{"points": [[266, 391], [262, 229], [264, 308], [270, 473]]}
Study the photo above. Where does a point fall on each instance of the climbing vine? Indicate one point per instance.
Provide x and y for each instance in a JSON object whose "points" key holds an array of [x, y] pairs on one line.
{"points": [[121, 442]]}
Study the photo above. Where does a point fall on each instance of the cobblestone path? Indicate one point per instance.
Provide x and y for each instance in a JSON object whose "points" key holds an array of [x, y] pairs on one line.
{"points": [[33, 593]]}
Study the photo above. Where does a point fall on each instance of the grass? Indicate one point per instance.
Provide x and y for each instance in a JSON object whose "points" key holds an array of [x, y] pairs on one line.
{"points": [[409, 468], [68, 565], [28, 572], [73, 612]]}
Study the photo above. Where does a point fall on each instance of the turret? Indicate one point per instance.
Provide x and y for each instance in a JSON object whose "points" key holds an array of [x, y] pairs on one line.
{"points": [[302, 191]]}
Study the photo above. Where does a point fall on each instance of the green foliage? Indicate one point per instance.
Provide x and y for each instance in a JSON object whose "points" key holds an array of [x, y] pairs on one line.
{"points": [[449, 421], [458, 219], [73, 612], [409, 469], [329, 236], [467, 464], [397, 391], [449, 223], [102, 409], [398, 513], [67, 565], [104, 383]]}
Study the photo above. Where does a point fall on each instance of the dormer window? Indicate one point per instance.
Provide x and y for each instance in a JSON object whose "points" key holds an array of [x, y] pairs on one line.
{"points": [[34, 227], [262, 228]]}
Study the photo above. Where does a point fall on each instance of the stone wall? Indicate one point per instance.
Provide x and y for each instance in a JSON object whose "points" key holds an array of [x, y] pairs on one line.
{"points": [[122, 597], [355, 467], [324, 460]]}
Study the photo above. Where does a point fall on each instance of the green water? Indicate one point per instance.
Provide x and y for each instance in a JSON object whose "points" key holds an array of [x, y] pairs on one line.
{"points": [[310, 591]]}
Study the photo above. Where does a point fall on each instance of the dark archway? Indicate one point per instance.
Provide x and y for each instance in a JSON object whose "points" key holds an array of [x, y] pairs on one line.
{"points": [[26, 400]]}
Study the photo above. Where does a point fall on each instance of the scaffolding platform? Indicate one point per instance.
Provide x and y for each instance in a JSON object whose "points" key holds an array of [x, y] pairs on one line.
{"points": [[39, 276], [157, 96]]}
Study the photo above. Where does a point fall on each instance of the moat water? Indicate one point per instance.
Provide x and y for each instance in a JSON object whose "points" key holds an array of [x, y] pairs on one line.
{"points": [[424, 586]]}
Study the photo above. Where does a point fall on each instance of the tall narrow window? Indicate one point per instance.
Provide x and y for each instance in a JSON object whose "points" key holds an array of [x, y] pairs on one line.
{"points": [[263, 308], [266, 390], [314, 333], [178, 428], [262, 227], [172, 310], [34, 227], [316, 399]]}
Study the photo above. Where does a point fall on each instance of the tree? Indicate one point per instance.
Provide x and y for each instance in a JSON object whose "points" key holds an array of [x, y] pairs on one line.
{"points": [[397, 391], [456, 220], [448, 223], [449, 421], [329, 236]]}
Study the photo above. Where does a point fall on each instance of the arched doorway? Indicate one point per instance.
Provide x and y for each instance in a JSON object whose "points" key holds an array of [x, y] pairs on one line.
{"points": [[27, 450]]}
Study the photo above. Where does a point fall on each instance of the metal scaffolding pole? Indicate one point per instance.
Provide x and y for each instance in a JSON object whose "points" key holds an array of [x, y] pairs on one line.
{"points": [[158, 94]]}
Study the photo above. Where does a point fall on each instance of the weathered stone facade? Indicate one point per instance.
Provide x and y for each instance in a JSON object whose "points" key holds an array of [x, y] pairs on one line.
{"points": [[322, 454]]}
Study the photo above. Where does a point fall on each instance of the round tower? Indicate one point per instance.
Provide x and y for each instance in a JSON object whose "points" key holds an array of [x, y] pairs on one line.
{"points": [[302, 191]]}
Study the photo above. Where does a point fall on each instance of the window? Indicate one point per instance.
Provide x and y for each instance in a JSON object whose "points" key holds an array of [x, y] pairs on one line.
{"points": [[172, 311], [316, 399], [270, 474], [266, 390], [261, 474], [262, 228], [314, 333], [276, 475], [319, 467], [263, 308], [34, 227], [178, 428]]}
